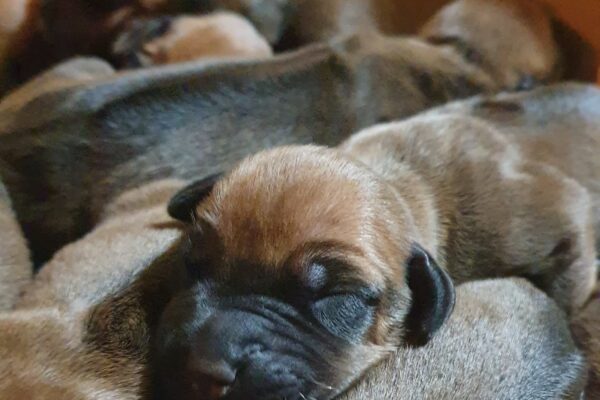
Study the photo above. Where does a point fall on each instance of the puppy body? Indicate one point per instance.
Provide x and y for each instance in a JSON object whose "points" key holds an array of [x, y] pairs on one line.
{"points": [[127, 129], [545, 122], [484, 365], [363, 225], [494, 199]]}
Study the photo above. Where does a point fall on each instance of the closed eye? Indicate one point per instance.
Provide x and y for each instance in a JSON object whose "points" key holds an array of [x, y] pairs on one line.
{"points": [[345, 315]]}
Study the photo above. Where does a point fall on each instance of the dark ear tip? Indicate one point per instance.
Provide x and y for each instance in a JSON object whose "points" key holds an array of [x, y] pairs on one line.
{"points": [[182, 205], [177, 211], [433, 298]]}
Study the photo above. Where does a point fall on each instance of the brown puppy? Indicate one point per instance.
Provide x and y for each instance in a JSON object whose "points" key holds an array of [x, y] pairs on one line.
{"points": [[346, 251], [488, 32], [216, 36]]}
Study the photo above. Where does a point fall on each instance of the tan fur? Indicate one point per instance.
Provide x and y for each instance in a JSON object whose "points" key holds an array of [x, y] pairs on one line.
{"points": [[16, 17], [511, 39]]}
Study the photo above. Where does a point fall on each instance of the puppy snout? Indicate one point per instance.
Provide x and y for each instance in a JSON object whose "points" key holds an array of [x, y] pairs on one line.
{"points": [[251, 353]]}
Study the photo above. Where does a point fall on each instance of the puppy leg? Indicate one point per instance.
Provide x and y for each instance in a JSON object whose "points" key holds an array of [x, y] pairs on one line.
{"points": [[15, 266]]}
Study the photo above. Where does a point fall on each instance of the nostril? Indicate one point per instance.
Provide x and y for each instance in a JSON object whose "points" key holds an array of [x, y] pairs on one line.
{"points": [[212, 380]]}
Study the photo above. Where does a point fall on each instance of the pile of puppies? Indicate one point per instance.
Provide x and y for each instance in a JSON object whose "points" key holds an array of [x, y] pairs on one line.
{"points": [[449, 255]]}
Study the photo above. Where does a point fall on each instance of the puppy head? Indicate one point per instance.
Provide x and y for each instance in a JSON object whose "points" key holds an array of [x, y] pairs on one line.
{"points": [[512, 40], [304, 270], [166, 40]]}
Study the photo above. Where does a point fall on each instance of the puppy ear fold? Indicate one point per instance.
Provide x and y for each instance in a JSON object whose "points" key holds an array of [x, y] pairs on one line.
{"points": [[182, 205], [432, 297]]}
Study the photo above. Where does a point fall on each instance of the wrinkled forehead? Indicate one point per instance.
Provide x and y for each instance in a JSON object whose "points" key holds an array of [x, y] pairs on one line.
{"points": [[274, 203], [288, 204]]}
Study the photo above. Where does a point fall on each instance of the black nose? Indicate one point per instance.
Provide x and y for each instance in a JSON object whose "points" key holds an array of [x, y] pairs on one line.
{"points": [[213, 361], [211, 380]]}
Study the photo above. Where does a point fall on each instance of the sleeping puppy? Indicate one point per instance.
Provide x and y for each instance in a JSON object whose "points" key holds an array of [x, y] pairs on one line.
{"points": [[308, 265], [487, 32], [130, 128], [218, 36], [85, 327]]}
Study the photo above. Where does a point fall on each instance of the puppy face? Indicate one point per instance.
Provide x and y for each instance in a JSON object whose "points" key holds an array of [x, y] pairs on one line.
{"points": [[304, 270], [512, 40]]}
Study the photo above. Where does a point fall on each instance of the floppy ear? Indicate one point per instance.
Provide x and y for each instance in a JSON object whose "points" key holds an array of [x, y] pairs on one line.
{"points": [[182, 205], [432, 297]]}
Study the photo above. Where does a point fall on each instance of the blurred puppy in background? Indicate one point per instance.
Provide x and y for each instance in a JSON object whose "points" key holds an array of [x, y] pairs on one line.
{"points": [[218, 36], [523, 35]]}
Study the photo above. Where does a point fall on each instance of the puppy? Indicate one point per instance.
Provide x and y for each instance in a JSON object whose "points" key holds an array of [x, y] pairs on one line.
{"points": [[131, 128], [312, 264], [167, 41], [487, 32]]}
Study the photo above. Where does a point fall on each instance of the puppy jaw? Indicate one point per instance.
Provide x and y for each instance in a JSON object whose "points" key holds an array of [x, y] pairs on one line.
{"points": [[519, 49]]}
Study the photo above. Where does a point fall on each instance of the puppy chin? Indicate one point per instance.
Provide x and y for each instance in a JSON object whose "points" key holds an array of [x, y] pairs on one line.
{"points": [[249, 348]]}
